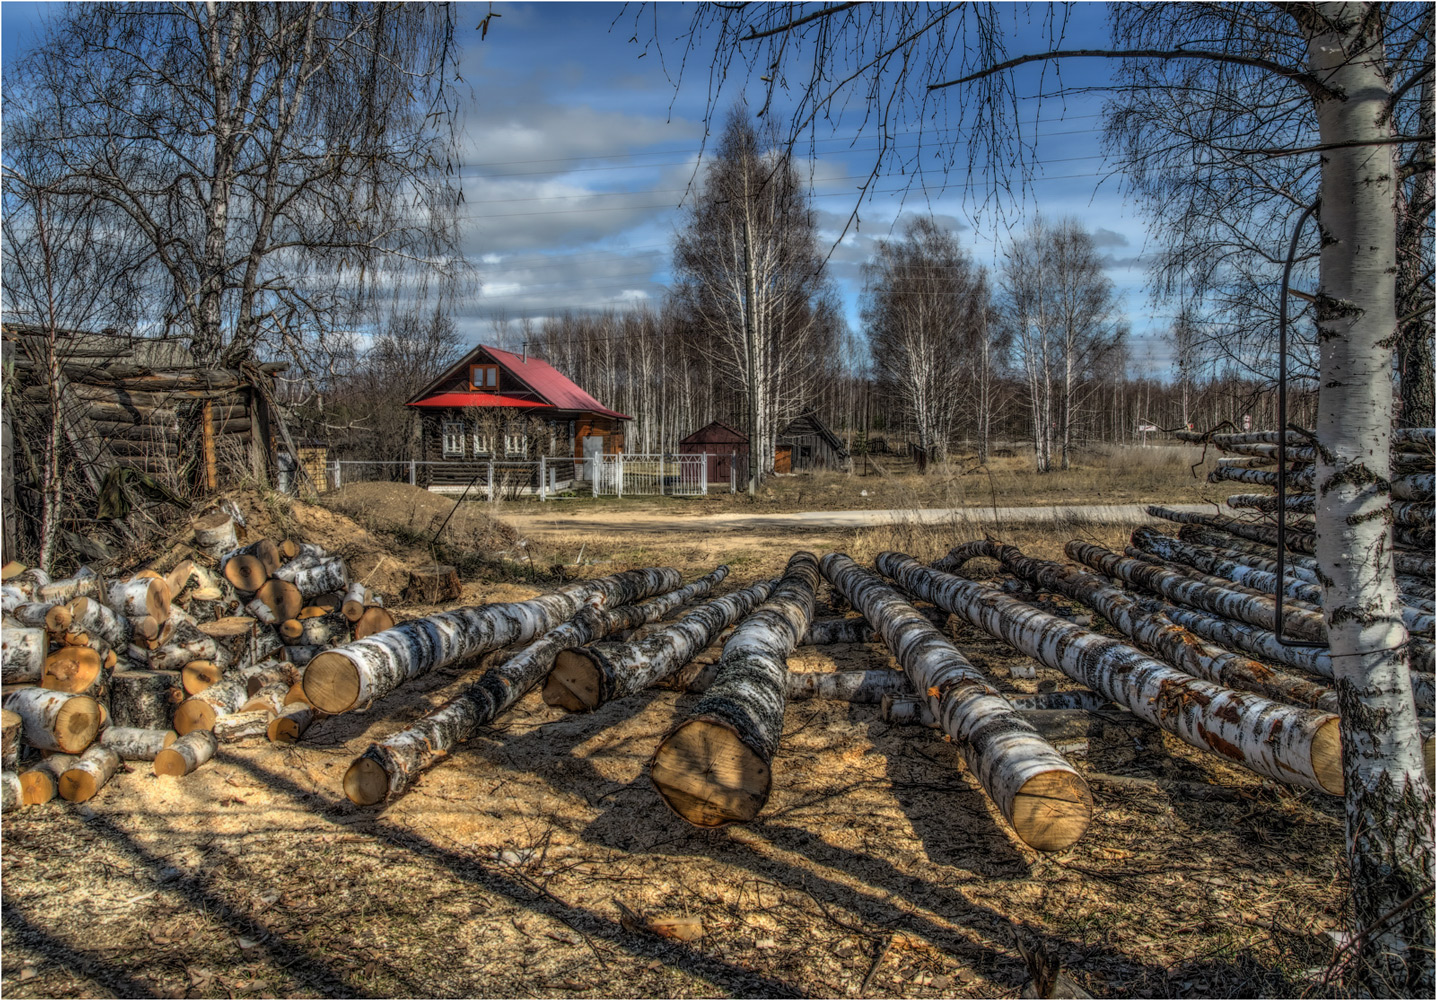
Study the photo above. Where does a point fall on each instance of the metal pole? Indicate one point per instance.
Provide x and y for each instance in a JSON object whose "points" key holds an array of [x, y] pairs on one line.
{"points": [[620, 475], [413, 473], [543, 483], [703, 474]]}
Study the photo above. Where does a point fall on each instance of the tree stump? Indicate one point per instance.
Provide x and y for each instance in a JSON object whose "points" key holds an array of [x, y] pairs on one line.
{"points": [[434, 584], [144, 699]]}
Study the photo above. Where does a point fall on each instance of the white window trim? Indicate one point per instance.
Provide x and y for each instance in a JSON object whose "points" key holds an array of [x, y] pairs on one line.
{"points": [[453, 438], [483, 443], [516, 444]]}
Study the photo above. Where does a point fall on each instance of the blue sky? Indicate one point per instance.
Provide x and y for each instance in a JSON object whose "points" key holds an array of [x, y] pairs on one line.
{"points": [[578, 153]]}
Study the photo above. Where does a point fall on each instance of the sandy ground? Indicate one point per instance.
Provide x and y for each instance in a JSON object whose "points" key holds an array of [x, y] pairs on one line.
{"points": [[878, 867]]}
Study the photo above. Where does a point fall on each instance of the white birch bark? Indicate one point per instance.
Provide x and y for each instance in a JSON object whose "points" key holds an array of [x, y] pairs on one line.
{"points": [[41, 783], [1291, 745], [1040, 795], [11, 793], [55, 720], [387, 770], [88, 774], [186, 754], [315, 577], [716, 767], [353, 677], [135, 744], [22, 654]]}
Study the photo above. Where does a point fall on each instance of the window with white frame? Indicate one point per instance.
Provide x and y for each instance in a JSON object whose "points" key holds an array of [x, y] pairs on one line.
{"points": [[516, 444], [453, 439], [483, 443]]}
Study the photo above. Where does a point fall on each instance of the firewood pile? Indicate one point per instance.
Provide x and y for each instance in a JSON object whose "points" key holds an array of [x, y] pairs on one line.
{"points": [[1203, 654], [163, 667]]}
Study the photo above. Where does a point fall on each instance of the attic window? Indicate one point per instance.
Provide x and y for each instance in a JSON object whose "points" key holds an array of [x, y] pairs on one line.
{"points": [[483, 376]]}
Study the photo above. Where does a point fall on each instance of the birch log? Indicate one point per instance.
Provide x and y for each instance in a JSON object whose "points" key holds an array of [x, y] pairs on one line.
{"points": [[355, 600], [291, 722], [281, 597], [1291, 745], [387, 770], [11, 726], [85, 583], [330, 629], [353, 677], [55, 720], [203, 710], [865, 687], [41, 783], [318, 577], [22, 654], [140, 596], [89, 774], [145, 699], [1411, 563], [831, 631], [1041, 795], [87, 614], [215, 533], [716, 767], [77, 669], [247, 568], [588, 677], [247, 725], [233, 637], [186, 753], [136, 744], [1157, 632], [185, 643], [11, 793]]}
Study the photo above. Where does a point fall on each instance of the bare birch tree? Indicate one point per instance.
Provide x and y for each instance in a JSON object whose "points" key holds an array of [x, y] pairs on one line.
{"points": [[284, 163]]}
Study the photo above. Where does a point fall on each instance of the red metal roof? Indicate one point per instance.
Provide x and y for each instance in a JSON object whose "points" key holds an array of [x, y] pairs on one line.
{"points": [[480, 399], [546, 380]]}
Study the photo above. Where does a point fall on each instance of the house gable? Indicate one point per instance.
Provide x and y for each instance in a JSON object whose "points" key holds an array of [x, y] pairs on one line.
{"points": [[521, 381]]}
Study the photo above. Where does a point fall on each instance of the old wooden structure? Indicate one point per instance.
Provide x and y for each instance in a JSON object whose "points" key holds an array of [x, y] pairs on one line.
{"points": [[135, 403], [496, 406], [726, 448], [807, 444]]}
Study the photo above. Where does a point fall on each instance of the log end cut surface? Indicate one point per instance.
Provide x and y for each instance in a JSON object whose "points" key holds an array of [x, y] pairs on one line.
{"points": [[573, 683], [366, 782], [1326, 758], [192, 715], [76, 724], [37, 788], [1052, 811], [708, 776], [331, 683], [77, 786], [171, 762]]}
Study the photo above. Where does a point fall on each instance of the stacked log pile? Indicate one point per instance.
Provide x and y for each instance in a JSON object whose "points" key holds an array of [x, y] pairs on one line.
{"points": [[160, 668]]}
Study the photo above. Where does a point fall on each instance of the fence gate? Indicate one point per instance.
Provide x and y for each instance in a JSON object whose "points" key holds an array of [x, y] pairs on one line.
{"points": [[650, 475]]}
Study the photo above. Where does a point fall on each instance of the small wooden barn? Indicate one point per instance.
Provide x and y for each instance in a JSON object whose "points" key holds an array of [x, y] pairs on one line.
{"points": [[807, 444], [727, 452], [138, 403]]}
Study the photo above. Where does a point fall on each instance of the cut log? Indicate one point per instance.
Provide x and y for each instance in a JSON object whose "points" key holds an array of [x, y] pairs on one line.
{"points": [[136, 744], [11, 794], [334, 601], [41, 783], [23, 658], [269, 698], [85, 583], [10, 727], [295, 695], [330, 629], [1291, 745], [586, 677], [141, 596], [434, 584], [88, 775], [89, 615], [1040, 795], [199, 675], [355, 599], [301, 655], [715, 768], [55, 720], [186, 642], [291, 722], [352, 677], [832, 631], [34, 614], [243, 726], [281, 597], [144, 699], [373, 621], [290, 550], [216, 534], [320, 577], [233, 638], [259, 610], [186, 753], [1157, 632], [77, 669], [202, 711], [386, 770]]}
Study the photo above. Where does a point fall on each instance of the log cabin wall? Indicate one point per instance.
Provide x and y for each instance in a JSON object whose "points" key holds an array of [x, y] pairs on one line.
{"points": [[143, 404]]}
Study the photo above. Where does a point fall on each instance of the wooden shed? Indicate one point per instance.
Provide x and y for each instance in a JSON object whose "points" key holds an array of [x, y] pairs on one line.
{"points": [[140, 403], [809, 445], [727, 452]]}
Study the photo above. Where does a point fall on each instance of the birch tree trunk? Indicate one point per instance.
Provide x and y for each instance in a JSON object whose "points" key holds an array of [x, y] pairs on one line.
{"points": [[1389, 802], [353, 677], [1291, 745], [1040, 795], [387, 770], [595, 675], [715, 768]]}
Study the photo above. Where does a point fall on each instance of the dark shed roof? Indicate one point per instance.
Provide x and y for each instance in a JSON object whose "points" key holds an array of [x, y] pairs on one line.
{"points": [[715, 433]]}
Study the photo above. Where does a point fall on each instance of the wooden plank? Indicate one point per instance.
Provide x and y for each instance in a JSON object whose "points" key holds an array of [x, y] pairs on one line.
{"points": [[211, 468]]}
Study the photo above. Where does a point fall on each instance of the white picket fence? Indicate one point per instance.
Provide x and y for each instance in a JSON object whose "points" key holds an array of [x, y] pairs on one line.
{"points": [[546, 478]]}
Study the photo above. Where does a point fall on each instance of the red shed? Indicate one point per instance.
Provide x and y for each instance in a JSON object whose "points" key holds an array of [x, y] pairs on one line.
{"points": [[725, 449]]}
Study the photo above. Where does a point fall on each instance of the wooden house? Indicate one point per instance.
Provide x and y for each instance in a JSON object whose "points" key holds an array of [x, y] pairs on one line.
{"points": [[807, 444], [143, 403], [727, 452], [496, 406]]}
